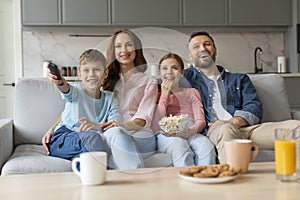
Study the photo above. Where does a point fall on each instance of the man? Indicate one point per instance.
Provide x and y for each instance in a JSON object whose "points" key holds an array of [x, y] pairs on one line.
{"points": [[231, 103]]}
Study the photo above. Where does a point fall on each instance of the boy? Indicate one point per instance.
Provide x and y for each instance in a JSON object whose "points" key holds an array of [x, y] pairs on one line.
{"points": [[86, 109]]}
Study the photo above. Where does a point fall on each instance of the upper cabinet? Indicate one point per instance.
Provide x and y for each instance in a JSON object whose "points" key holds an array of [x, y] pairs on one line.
{"points": [[199, 12], [66, 12], [37, 12], [145, 12], [180, 13], [87, 12], [259, 12]]}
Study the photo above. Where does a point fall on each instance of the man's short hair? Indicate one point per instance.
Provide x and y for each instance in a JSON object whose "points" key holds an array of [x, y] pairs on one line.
{"points": [[201, 33]]}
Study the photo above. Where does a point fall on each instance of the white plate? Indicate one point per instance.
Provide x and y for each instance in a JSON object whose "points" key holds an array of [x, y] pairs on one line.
{"points": [[208, 180]]}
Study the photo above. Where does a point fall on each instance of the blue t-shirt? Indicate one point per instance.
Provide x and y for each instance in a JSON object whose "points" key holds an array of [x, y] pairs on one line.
{"points": [[79, 105]]}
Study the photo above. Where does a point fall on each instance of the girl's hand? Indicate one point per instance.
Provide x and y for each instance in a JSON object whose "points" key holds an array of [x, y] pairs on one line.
{"points": [[171, 134], [107, 125], [86, 125], [166, 87]]}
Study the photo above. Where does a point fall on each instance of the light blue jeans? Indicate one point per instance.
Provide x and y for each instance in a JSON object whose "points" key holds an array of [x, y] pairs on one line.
{"points": [[197, 150], [126, 150]]}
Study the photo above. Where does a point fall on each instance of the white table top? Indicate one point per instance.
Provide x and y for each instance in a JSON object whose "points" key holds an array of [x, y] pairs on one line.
{"points": [[155, 184]]}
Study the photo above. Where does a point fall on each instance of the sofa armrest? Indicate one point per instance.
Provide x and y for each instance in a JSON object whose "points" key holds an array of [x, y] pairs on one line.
{"points": [[295, 114], [6, 140]]}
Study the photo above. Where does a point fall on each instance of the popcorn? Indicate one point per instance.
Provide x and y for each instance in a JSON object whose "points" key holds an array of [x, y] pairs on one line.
{"points": [[178, 124]]}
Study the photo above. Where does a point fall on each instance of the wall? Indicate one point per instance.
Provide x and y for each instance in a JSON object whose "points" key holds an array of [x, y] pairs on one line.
{"points": [[235, 50]]}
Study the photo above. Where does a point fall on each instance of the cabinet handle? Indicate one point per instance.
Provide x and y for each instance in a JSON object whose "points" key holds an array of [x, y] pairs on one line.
{"points": [[9, 84]]}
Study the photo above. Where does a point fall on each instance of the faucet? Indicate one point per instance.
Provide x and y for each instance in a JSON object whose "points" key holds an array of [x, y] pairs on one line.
{"points": [[256, 69]]}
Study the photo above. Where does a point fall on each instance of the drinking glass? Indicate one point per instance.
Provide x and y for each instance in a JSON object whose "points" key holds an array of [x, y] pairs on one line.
{"points": [[285, 154]]}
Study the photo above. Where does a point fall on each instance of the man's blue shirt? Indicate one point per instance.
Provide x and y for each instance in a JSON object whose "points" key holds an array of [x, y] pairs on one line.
{"points": [[238, 95]]}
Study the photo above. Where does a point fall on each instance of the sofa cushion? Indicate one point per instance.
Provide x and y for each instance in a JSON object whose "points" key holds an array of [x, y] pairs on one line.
{"points": [[37, 106], [272, 93], [32, 159]]}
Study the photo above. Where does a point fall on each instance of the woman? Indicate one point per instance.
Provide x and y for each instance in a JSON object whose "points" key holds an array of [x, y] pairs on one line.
{"points": [[135, 91]]}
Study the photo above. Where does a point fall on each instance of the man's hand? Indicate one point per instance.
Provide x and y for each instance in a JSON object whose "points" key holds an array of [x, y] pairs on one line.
{"points": [[237, 121], [213, 126]]}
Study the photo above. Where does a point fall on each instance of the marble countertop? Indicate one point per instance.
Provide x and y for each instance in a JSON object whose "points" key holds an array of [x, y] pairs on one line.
{"points": [[285, 75]]}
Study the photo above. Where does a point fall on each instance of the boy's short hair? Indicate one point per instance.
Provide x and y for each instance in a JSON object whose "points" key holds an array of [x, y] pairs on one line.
{"points": [[91, 55]]}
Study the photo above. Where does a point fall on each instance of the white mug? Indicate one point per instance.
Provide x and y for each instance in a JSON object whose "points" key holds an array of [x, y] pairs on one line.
{"points": [[92, 167]]}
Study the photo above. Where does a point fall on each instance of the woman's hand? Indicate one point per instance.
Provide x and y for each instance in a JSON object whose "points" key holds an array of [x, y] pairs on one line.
{"points": [[86, 125], [107, 125]]}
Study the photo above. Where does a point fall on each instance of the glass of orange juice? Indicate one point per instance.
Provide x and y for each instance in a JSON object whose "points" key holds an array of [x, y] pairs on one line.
{"points": [[285, 154]]}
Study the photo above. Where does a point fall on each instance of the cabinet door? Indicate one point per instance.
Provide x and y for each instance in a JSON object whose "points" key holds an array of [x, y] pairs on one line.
{"points": [[204, 12], [145, 12], [85, 12], [37, 12], [260, 12]]}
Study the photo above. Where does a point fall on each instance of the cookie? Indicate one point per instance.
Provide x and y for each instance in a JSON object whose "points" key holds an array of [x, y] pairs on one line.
{"points": [[226, 173], [196, 169], [186, 173], [236, 170], [223, 167], [210, 171]]}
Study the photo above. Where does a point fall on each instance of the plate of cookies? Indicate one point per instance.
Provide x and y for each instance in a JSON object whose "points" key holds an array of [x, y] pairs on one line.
{"points": [[210, 174]]}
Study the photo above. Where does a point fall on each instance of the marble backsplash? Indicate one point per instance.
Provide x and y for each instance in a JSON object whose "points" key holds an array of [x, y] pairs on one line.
{"points": [[235, 50]]}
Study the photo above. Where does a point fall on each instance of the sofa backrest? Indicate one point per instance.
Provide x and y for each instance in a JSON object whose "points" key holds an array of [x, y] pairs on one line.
{"points": [[272, 93], [38, 104]]}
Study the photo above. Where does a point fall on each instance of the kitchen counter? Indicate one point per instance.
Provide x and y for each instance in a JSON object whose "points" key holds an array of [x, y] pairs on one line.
{"points": [[285, 75]]}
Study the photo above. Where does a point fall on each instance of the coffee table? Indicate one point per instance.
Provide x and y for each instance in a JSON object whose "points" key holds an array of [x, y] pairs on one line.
{"points": [[150, 183]]}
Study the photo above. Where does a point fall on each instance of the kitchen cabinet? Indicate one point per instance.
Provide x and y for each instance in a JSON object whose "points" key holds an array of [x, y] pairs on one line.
{"points": [[179, 13], [145, 12], [87, 12], [204, 12], [259, 13], [37, 12], [66, 12]]}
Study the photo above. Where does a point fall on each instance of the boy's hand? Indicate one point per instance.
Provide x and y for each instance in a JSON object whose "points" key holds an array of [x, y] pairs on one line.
{"points": [[62, 84], [46, 140], [86, 125]]}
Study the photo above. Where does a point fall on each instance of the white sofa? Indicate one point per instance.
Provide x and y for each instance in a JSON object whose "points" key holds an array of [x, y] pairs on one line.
{"points": [[38, 105]]}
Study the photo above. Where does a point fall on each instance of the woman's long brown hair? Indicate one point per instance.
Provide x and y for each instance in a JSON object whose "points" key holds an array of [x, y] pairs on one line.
{"points": [[113, 66]]}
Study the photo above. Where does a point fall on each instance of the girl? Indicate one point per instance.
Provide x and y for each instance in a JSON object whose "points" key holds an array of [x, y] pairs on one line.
{"points": [[190, 148]]}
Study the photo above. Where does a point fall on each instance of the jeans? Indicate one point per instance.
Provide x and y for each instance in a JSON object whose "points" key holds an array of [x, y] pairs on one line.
{"points": [[126, 150], [68, 144], [196, 150]]}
